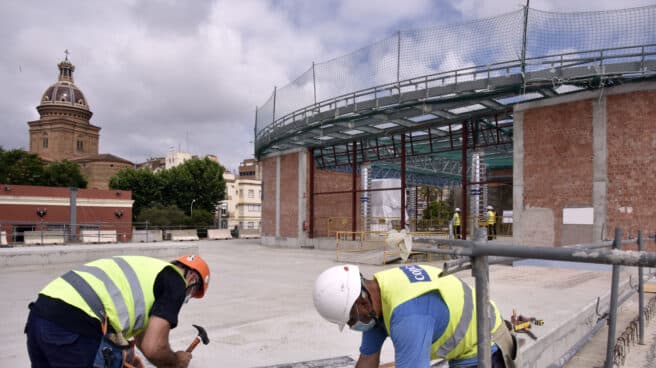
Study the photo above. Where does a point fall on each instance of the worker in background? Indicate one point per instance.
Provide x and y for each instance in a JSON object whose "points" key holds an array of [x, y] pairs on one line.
{"points": [[491, 223], [456, 223], [86, 317], [427, 316]]}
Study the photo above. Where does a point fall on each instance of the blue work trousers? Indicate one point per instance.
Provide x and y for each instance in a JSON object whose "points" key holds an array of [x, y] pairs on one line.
{"points": [[51, 346]]}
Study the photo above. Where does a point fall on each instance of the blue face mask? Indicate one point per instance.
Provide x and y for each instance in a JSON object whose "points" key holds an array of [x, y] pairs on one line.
{"points": [[363, 327]]}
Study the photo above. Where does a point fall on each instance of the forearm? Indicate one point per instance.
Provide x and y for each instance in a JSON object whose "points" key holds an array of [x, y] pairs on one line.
{"points": [[368, 361]]}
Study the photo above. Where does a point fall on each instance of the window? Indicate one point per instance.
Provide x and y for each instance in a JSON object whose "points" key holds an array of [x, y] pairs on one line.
{"points": [[80, 146], [45, 141], [253, 208], [251, 193], [251, 225]]}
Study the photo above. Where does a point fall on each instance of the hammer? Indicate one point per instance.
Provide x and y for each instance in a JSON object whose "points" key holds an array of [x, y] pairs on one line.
{"points": [[202, 336]]}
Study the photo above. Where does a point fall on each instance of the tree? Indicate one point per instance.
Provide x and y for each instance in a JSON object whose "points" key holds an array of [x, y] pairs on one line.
{"points": [[146, 187], [437, 210], [159, 216], [198, 181], [64, 174], [21, 168]]}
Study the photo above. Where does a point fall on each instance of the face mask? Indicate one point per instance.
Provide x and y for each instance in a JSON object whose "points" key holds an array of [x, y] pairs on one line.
{"points": [[363, 327]]}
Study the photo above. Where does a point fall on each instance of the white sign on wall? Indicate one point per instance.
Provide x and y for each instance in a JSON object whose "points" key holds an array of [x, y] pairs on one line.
{"points": [[578, 216], [507, 217]]}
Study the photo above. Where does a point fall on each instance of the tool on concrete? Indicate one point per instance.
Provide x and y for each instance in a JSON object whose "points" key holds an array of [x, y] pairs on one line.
{"points": [[202, 336], [522, 324]]}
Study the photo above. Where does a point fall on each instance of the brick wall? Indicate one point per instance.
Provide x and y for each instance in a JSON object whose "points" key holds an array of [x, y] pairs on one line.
{"points": [[268, 196], [289, 195], [19, 204], [558, 159], [631, 159], [328, 206]]}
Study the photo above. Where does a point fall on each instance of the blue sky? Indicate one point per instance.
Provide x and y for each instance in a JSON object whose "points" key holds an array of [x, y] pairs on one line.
{"points": [[189, 74]]}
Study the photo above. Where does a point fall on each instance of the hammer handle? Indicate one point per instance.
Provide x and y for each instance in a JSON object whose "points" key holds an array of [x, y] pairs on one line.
{"points": [[193, 345]]}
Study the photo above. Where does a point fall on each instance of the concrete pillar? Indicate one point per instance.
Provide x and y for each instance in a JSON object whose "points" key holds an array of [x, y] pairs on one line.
{"points": [[518, 175], [599, 167], [302, 195], [278, 196]]}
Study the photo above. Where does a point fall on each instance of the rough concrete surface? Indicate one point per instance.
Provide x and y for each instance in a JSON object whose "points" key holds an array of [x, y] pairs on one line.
{"points": [[258, 311]]}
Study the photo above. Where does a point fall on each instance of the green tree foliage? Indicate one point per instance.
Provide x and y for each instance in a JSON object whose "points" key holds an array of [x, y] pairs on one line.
{"points": [[437, 210], [146, 187], [159, 216], [64, 174], [20, 167], [23, 168], [200, 218], [198, 180]]}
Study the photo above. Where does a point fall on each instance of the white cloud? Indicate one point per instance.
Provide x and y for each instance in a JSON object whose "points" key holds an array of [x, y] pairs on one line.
{"points": [[161, 73]]}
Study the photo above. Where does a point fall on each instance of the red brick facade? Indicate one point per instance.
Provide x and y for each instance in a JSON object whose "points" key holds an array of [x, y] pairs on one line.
{"points": [[558, 161], [335, 206], [269, 196], [632, 161], [289, 195], [104, 209], [558, 158]]}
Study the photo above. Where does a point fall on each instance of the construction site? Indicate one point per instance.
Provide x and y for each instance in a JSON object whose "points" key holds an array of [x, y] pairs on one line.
{"points": [[258, 311], [523, 162]]}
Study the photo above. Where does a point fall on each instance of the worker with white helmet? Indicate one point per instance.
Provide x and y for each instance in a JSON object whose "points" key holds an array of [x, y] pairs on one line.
{"points": [[491, 223], [427, 316], [456, 223]]}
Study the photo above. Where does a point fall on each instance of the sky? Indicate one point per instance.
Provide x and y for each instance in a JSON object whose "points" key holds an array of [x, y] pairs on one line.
{"points": [[164, 75]]}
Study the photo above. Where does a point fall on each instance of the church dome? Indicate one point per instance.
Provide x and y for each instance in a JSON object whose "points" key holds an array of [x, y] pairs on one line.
{"points": [[65, 92]]}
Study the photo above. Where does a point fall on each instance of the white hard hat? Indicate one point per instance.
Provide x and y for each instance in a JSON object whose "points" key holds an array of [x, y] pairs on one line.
{"points": [[489, 207], [335, 292], [457, 209]]}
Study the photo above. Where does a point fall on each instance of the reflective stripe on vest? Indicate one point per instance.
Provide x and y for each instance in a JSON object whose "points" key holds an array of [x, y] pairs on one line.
{"points": [[92, 299], [137, 293], [90, 296], [399, 285], [466, 318]]}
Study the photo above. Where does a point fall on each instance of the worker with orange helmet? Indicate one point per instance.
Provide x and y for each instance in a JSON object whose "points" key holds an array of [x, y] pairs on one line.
{"points": [[86, 317]]}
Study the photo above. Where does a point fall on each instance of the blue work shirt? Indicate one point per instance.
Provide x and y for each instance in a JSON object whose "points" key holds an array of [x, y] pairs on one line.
{"points": [[416, 324]]}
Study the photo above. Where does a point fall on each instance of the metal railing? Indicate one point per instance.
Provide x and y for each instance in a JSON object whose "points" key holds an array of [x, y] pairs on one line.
{"points": [[479, 253], [535, 45]]}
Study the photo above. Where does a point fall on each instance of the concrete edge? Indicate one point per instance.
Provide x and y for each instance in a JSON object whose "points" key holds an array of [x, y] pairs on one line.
{"points": [[46, 256], [554, 348]]}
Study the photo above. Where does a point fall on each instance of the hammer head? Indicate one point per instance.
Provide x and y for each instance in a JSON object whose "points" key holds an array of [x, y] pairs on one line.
{"points": [[202, 334]]}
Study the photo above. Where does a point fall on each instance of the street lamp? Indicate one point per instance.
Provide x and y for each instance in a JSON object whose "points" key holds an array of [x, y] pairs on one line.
{"points": [[191, 210]]}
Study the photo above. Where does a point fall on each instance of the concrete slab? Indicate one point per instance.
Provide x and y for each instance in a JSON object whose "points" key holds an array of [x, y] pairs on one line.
{"points": [[259, 312]]}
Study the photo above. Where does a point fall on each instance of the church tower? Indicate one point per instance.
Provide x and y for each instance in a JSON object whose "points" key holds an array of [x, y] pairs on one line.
{"points": [[64, 130]]}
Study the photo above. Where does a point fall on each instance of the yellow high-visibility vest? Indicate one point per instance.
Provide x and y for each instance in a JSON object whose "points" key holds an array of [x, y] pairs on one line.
{"points": [[456, 219], [398, 285], [119, 289], [491, 217]]}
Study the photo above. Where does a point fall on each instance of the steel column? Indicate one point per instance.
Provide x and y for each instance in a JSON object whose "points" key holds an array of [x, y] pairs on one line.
{"points": [[641, 294], [311, 199], [354, 181], [463, 206], [480, 271], [612, 312], [402, 180]]}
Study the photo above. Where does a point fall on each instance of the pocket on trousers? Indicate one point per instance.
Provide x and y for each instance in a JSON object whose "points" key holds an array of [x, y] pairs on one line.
{"points": [[58, 336]]}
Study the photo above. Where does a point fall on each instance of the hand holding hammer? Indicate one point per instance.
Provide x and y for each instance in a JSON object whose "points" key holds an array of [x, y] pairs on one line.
{"points": [[202, 336]]}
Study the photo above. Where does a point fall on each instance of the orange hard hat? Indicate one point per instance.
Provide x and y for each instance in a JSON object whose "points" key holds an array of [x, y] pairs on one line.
{"points": [[199, 265]]}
